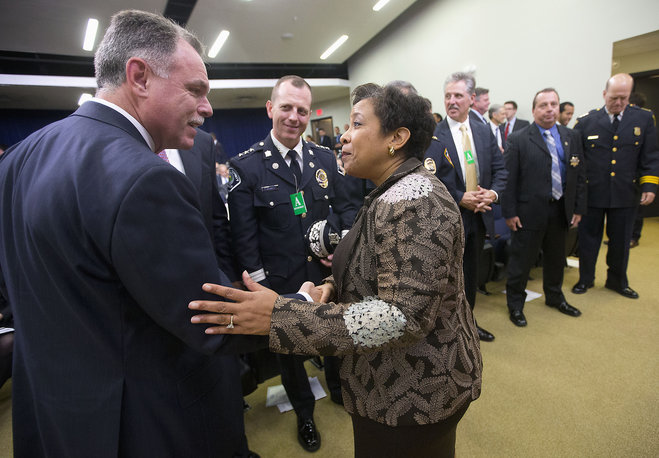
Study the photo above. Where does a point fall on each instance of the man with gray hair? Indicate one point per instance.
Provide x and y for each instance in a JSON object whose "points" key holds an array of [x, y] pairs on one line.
{"points": [[102, 246], [465, 157], [497, 115]]}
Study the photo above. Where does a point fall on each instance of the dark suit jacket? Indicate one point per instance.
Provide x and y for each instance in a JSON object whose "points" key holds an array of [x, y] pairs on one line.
{"points": [[199, 164], [473, 117], [528, 189], [492, 172], [519, 125], [326, 141], [102, 246]]}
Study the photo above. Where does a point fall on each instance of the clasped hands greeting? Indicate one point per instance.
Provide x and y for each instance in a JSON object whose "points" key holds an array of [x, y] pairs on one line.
{"points": [[250, 311], [479, 200]]}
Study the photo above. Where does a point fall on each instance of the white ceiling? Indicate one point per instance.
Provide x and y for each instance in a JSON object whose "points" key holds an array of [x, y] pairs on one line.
{"points": [[262, 31]]}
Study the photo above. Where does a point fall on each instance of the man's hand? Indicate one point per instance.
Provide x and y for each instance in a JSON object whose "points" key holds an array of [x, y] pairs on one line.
{"points": [[326, 292], [311, 289], [479, 200], [647, 198], [250, 312], [576, 219], [514, 223], [470, 200]]}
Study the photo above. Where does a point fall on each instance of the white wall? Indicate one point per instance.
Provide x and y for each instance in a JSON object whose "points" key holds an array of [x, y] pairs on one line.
{"points": [[338, 109], [516, 47]]}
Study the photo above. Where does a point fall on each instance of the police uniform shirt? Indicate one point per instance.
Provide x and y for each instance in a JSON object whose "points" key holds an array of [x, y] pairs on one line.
{"points": [[284, 151]]}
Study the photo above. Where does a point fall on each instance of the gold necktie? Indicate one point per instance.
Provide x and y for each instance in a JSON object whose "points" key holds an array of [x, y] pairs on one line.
{"points": [[471, 180]]}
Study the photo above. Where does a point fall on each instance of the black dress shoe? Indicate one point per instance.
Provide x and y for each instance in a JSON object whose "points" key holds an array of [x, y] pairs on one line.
{"points": [[484, 335], [626, 291], [518, 318], [581, 288], [252, 454], [566, 308], [308, 435]]}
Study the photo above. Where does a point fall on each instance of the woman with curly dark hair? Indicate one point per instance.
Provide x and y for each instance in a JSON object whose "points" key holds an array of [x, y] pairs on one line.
{"points": [[397, 312]]}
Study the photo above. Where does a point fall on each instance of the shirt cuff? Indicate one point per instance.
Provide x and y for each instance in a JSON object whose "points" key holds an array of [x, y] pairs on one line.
{"points": [[306, 296]]}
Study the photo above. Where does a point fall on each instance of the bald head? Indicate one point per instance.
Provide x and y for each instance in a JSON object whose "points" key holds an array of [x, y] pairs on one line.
{"points": [[616, 92]]}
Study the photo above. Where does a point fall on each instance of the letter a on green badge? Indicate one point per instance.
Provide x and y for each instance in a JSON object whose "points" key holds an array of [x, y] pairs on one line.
{"points": [[297, 200]]}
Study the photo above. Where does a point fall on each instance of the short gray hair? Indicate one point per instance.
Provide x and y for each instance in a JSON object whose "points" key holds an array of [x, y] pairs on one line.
{"points": [[134, 33], [468, 78], [404, 86], [493, 109]]}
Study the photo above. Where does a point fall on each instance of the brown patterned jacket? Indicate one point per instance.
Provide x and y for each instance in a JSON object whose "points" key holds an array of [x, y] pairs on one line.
{"points": [[411, 354]]}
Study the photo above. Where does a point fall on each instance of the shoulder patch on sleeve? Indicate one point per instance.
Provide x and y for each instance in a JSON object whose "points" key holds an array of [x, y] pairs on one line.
{"points": [[234, 179]]}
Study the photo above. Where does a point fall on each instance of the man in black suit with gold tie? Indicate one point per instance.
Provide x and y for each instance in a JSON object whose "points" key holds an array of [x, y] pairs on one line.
{"points": [[545, 194], [465, 157]]}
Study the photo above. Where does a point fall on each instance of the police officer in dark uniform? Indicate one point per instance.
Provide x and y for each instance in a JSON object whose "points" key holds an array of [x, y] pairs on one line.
{"points": [[622, 166], [277, 190]]}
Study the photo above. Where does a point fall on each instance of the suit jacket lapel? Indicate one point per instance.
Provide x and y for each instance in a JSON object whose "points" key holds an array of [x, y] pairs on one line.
{"points": [[192, 165], [446, 139], [481, 142], [534, 134], [566, 140]]}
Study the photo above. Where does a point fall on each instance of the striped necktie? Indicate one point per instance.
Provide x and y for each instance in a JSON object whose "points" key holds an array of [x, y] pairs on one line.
{"points": [[556, 182]]}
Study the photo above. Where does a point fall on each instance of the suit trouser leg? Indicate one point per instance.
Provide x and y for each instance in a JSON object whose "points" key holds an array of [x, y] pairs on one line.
{"points": [[619, 226], [590, 231], [295, 381], [524, 248], [332, 364], [553, 254], [473, 246]]}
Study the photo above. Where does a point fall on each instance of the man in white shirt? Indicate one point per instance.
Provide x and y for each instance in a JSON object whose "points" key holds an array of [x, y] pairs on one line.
{"points": [[465, 157], [497, 115]]}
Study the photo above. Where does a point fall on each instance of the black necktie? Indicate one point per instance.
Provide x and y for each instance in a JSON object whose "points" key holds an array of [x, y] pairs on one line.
{"points": [[295, 167], [615, 123]]}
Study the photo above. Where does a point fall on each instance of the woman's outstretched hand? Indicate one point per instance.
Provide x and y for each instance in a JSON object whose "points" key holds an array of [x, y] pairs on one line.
{"points": [[249, 313]]}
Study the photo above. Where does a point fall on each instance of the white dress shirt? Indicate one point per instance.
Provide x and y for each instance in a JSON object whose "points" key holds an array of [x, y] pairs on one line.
{"points": [[284, 151], [133, 121], [457, 140]]}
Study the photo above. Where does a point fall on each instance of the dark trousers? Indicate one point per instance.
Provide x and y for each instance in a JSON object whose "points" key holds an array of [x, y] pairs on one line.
{"points": [[437, 440], [638, 224], [474, 239], [619, 225], [296, 383], [525, 245]]}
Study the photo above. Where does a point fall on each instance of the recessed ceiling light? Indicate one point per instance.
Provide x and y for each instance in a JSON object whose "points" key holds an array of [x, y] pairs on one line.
{"points": [[84, 97], [334, 47], [379, 5], [90, 34], [221, 38]]}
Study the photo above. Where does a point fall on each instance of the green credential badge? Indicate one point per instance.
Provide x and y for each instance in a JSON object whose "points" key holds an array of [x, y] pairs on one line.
{"points": [[297, 200]]}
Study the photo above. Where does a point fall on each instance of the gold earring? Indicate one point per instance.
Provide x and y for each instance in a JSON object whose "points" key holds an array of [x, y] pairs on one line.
{"points": [[391, 151]]}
